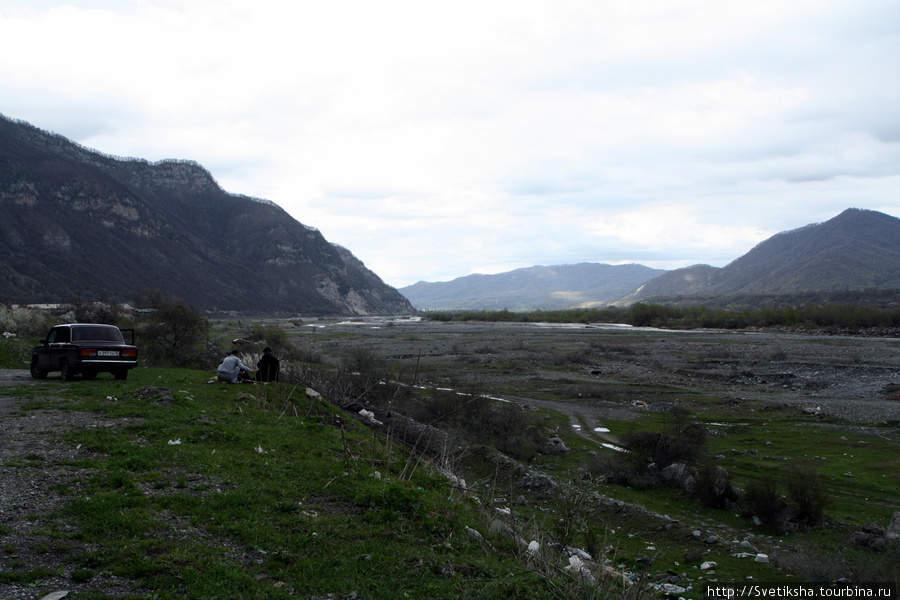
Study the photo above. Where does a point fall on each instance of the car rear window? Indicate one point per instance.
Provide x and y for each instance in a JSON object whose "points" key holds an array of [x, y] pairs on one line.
{"points": [[104, 334]]}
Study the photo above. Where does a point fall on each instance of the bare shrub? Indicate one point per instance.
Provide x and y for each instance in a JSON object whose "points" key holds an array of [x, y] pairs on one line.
{"points": [[620, 469], [806, 491], [663, 449], [762, 498], [713, 486]]}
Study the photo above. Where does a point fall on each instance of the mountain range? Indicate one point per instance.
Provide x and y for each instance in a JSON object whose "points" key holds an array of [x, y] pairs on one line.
{"points": [[856, 250], [81, 225], [532, 288]]}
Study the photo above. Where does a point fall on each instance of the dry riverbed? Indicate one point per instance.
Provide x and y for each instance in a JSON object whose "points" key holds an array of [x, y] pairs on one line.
{"points": [[573, 367]]}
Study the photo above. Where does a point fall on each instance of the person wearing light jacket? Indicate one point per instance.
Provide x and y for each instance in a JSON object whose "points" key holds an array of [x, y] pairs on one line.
{"points": [[230, 369]]}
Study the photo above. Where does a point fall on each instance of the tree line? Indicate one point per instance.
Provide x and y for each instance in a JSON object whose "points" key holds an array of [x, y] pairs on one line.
{"points": [[825, 317]]}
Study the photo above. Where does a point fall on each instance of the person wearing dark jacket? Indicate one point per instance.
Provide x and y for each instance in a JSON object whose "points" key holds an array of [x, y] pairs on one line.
{"points": [[267, 367]]}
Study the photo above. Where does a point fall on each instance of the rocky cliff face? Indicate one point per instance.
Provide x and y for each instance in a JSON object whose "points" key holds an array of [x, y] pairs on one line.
{"points": [[81, 225]]}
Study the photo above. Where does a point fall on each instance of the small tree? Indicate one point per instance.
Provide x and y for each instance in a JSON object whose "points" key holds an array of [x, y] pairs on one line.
{"points": [[175, 334]]}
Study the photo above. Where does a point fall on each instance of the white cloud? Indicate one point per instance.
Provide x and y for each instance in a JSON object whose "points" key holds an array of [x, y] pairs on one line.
{"points": [[438, 140]]}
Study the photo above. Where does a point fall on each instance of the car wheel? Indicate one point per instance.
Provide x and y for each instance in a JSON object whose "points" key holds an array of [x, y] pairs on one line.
{"points": [[37, 371], [66, 371], [120, 373]]}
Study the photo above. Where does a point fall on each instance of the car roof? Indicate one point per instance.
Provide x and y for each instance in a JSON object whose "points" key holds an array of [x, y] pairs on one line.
{"points": [[86, 325]]}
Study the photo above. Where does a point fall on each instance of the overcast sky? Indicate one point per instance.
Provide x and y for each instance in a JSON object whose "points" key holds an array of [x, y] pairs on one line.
{"points": [[439, 139]]}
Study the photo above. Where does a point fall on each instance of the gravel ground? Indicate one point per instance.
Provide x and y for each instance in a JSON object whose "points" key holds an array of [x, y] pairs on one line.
{"points": [[852, 378], [32, 465]]}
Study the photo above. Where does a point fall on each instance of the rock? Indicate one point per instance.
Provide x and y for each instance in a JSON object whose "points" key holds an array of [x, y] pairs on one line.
{"points": [[501, 528], [861, 538], [692, 557], [879, 543], [645, 560], [874, 528], [697, 533], [713, 539], [893, 530], [756, 521], [673, 474], [554, 446], [538, 481], [748, 546]]}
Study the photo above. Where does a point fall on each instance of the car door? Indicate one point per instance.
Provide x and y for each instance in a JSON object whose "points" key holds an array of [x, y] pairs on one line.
{"points": [[56, 342]]}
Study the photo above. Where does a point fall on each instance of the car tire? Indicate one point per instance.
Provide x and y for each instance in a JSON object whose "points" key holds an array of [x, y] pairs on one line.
{"points": [[120, 373], [66, 371], [37, 371]]}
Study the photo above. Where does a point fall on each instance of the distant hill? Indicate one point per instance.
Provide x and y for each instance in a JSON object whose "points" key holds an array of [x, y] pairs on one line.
{"points": [[856, 250], [81, 225], [532, 288]]}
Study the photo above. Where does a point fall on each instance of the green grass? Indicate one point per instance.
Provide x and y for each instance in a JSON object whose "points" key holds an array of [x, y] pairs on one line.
{"points": [[278, 503], [15, 353], [263, 496]]}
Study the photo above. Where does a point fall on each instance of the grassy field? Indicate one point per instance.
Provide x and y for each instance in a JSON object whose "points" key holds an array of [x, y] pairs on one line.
{"points": [[217, 491], [177, 487]]}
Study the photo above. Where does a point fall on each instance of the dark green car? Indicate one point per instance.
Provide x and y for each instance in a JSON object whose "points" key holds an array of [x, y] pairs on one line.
{"points": [[84, 348]]}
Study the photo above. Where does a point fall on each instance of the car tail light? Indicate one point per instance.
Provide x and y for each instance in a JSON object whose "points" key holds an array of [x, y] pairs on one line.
{"points": [[129, 353], [89, 352]]}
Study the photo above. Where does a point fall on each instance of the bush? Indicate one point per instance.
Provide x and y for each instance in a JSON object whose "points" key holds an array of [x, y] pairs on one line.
{"points": [[713, 486], [762, 498], [25, 322], [275, 338], [806, 491], [685, 445]]}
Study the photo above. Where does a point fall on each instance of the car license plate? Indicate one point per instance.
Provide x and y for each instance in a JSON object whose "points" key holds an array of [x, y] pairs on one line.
{"points": [[107, 352]]}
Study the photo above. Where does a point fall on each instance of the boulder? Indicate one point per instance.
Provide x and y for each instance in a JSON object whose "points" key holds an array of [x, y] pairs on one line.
{"points": [[554, 446], [893, 530], [874, 528], [861, 538]]}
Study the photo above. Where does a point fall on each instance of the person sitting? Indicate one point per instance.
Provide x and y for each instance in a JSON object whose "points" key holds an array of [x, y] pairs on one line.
{"points": [[267, 367], [231, 368]]}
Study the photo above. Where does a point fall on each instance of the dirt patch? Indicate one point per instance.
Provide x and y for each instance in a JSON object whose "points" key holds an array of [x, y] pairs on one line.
{"points": [[34, 466]]}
